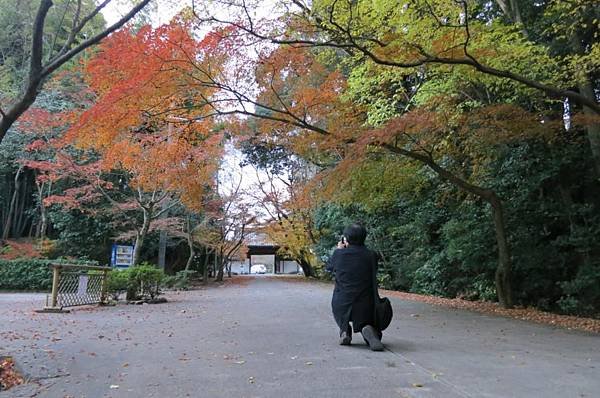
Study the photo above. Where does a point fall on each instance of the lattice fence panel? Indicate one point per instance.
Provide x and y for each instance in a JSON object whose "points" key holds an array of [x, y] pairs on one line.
{"points": [[79, 288]]}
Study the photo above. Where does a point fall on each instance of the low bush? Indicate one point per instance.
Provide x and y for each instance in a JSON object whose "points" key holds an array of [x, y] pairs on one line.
{"points": [[142, 281], [145, 280], [180, 281], [29, 274], [117, 283]]}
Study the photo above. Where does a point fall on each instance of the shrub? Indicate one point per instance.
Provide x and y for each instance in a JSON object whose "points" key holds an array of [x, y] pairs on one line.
{"points": [[582, 293], [117, 283], [140, 281], [432, 278], [29, 274], [181, 280]]}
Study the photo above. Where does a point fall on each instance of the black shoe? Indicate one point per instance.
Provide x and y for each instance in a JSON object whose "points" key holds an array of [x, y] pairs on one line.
{"points": [[372, 338], [345, 338]]}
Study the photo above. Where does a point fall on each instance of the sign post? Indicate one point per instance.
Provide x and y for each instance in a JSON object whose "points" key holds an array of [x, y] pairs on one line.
{"points": [[122, 256]]}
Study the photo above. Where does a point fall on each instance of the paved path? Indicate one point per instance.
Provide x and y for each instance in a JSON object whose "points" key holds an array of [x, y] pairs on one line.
{"points": [[276, 338]]}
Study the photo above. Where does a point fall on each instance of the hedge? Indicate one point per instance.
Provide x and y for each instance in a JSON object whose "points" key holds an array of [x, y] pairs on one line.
{"points": [[28, 274]]}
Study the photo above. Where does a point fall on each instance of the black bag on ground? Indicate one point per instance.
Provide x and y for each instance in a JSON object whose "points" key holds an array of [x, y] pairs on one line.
{"points": [[383, 312], [383, 307]]}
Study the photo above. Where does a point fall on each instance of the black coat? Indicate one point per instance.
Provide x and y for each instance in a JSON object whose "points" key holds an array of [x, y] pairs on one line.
{"points": [[353, 292]]}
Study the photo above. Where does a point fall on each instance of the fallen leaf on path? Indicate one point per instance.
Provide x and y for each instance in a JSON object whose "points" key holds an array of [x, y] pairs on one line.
{"points": [[9, 377]]}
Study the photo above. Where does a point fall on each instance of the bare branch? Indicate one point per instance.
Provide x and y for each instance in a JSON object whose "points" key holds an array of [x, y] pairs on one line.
{"points": [[60, 24], [74, 30], [64, 57], [166, 209], [37, 46], [113, 202]]}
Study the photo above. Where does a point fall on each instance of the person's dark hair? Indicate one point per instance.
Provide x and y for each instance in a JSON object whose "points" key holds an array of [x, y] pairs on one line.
{"points": [[355, 234]]}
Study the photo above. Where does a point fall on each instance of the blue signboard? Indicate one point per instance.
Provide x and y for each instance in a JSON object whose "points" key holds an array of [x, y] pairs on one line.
{"points": [[121, 256]]}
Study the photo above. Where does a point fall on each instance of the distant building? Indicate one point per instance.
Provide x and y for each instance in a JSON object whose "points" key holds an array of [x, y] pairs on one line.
{"points": [[274, 263], [260, 250]]}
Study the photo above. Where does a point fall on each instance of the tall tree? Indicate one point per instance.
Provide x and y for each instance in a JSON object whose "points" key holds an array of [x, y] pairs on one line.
{"points": [[285, 202], [44, 60], [227, 219], [142, 123]]}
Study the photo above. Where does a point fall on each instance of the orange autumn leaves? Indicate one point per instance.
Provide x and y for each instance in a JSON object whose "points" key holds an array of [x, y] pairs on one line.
{"points": [[304, 91], [149, 114]]}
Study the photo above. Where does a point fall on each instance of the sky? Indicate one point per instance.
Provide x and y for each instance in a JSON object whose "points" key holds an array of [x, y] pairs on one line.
{"points": [[164, 10]]}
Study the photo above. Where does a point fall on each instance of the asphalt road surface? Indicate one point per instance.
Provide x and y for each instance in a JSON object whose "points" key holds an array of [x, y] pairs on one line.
{"points": [[270, 337]]}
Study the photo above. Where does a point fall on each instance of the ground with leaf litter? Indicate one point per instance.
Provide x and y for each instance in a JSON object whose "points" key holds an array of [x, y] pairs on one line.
{"points": [[268, 337], [526, 314]]}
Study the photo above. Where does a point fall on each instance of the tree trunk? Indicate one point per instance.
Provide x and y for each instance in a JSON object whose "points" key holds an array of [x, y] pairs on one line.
{"points": [[219, 268], [162, 249], [306, 267], [18, 220], [35, 77], [205, 270], [587, 90], [41, 231], [190, 240], [592, 130], [228, 269], [504, 269], [141, 236], [8, 226], [220, 274]]}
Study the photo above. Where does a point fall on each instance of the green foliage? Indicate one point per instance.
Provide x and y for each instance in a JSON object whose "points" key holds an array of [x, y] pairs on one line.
{"points": [[118, 282], [26, 274], [433, 237], [29, 274], [433, 277], [582, 293], [179, 281], [17, 17], [435, 240], [141, 281], [82, 235]]}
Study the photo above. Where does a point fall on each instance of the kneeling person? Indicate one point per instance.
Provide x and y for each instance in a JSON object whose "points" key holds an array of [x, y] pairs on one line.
{"points": [[353, 264]]}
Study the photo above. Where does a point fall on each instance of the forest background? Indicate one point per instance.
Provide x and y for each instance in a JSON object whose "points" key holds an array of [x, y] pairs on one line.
{"points": [[463, 134]]}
